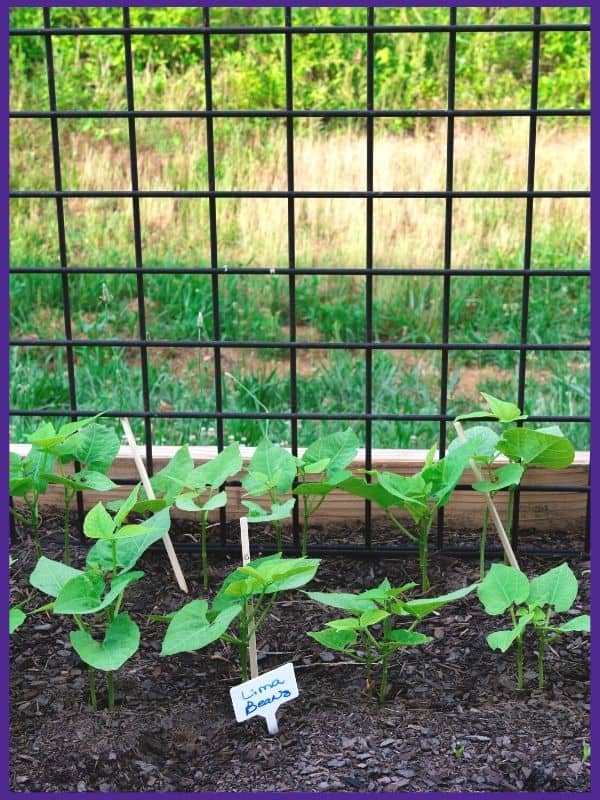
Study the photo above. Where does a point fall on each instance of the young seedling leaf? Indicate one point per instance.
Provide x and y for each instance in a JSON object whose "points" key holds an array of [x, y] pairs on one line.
{"points": [[50, 576], [534, 448], [502, 640], [369, 491], [373, 617], [556, 588], [271, 467], [72, 427], [402, 636], [44, 436], [98, 523], [278, 511], [315, 468], [127, 506], [580, 623], [487, 438], [128, 551], [86, 479], [121, 641], [409, 492], [505, 476], [187, 502], [503, 411], [446, 473], [345, 624], [223, 600], [216, 501], [96, 447], [339, 449], [423, 606], [334, 639], [157, 523], [83, 594], [172, 479], [190, 629], [354, 603], [501, 587], [215, 472], [16, 618]]}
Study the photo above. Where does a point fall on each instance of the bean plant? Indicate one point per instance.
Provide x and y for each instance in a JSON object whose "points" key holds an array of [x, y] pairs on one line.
{"points": [[530, 602], [93, 597], [239, 608], [326, 458], [368, 634], [421, 495], [523, 447], [86, 442], [194, 489], [271, 472]]}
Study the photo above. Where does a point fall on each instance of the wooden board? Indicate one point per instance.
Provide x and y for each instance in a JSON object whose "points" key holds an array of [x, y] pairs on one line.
{"points": [[565, 510]]}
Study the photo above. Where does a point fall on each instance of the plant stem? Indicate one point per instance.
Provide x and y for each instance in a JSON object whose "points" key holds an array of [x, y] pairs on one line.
{"points": [[541, 650], [244, 638], [384, 678], [67, 543], [305, 517], [509, 516], [520, 662], [424, 529], [35, 523], [92, 688], [110, 683], [203, 520], [482, 543], [113, 547], [400, 526]]}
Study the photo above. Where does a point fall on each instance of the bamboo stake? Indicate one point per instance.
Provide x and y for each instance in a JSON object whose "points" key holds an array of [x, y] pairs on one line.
{"points": [[245, 559], [488, 498], [151, 496]]}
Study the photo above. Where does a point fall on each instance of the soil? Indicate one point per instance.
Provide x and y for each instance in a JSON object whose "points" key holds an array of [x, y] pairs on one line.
{"points": [[453, 720]]}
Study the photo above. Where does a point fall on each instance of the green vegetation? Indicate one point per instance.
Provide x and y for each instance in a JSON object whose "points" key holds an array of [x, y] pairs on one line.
{"points": [[409, 154]]}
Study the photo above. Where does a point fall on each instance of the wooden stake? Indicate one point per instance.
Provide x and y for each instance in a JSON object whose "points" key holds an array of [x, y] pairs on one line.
{"points": [[245, 559], [488, 498], [151, 496]]}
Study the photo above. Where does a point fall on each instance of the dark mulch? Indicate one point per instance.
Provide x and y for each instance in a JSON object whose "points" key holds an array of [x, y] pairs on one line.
{"points": [[454, 720]]}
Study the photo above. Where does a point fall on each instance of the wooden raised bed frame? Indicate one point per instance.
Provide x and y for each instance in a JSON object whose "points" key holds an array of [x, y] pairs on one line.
{"points": [[538, 510]]}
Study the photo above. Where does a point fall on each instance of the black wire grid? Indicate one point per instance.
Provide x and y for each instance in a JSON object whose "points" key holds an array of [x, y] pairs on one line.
{"points": [[368, 345]]}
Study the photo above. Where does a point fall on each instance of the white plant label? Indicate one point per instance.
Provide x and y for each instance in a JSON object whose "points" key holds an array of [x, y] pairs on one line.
{"points": [[264, 694]]}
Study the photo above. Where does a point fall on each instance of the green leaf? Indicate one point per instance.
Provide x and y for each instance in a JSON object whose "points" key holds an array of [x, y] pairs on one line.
{"points": [[98, 523], [556, 588], [278, 511], [339, 449], [216, 501], [369, 491], [345, 624], [580, 623], [83, 594], [96, 447], [536, 448], [222, 600], [504, 411], [50, 576], [373, 617], [80, 481], [16, 617], [215, 472], [72, 427], [271, 467], [410, 492], [172, 479], [501, 587], [403, 637], [190, 629], [344, 600], [488, 439], [322, 488], [121, 641], [127, 507], [315, 468], [446, 473], [423, 606], [502, 640], [128, 550], [275, 575], [334, 640], [45, 436], [507, 475], [157, 523]]}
